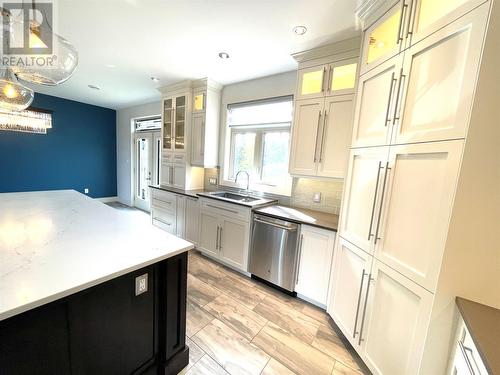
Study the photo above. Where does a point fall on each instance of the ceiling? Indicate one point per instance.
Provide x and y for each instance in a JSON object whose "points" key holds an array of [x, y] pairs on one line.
{"points": [[123, 43]]}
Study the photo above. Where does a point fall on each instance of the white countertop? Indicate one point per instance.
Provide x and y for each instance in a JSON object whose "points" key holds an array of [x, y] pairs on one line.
{"points": [[56, 243]]}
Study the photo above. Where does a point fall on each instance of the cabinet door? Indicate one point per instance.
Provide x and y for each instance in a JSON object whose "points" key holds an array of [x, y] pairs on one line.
{"points": [[166, 173], [233, 243], [199, 101], [180, 217], [394, 326], [192, 227], [179, 176], [362, 190], [167, 128], [311, 82], [342, 77], [351, 267], [428, 16], [306, 127], [180, 123], [439, 77], [209, 233], [336, 136], [374, 104], [384, 38], [416, 208], [316, 249], [198, 139]]}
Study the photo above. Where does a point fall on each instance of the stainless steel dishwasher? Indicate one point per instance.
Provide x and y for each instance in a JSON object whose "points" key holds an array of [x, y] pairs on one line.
{"points": [[274, 251]]}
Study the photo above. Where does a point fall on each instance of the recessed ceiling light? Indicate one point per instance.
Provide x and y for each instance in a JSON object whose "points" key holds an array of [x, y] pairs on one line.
{"points": [[94, 87], [300, 30], [224, 55], [154, 79]]}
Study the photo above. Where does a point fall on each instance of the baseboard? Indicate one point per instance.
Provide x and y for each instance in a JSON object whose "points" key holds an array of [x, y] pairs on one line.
{"points": [[107, 199]]}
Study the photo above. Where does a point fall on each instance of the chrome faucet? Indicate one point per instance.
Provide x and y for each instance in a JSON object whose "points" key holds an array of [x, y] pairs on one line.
{"points": [[248, 179]]}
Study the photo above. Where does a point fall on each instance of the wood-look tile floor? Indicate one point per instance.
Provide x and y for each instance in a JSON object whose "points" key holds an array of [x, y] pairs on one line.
{"points": [[236, 325]]}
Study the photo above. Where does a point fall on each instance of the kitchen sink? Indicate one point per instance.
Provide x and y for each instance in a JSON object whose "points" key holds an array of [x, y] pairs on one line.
{"points": [[235, 197]]}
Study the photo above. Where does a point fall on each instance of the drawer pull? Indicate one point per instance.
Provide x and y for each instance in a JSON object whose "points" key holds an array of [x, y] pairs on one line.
{"points": [[221, 208], [163, 221]]}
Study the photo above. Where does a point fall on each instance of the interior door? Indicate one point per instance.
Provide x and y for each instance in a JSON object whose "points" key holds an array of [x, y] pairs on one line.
{"points": [[233, 243], [351, 267], [416, 208], [439, 78], [362, 191], [374, 104], [143, 169], [305, 138], [209, 233], [394, 328], [336, 136]]}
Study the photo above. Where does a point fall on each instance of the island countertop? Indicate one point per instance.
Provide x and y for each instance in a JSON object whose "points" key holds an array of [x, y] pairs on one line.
{"points": [[56, 243]]}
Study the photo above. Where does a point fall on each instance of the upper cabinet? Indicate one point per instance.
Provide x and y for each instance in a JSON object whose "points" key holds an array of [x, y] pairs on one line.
{"points": [[174, 124], [324, 105]]}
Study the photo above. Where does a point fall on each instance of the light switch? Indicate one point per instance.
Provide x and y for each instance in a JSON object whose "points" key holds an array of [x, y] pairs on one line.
{"points": [[317, 198], [141, 284]]}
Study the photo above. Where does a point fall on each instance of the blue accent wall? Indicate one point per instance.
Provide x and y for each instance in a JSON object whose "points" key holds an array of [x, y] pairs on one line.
{"points": [[78, 152]]}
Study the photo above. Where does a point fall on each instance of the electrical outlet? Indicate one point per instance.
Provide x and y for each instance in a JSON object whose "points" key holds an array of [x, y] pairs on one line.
{"points": [[212, 181], [141, 284], [86, 190], [317, 198]]}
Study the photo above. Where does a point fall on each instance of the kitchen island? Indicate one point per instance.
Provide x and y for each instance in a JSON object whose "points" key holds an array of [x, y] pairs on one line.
{"points": [[87, 289]]}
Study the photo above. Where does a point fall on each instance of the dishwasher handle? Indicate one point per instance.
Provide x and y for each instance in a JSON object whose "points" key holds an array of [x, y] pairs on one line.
{"points": [[284, 227]]}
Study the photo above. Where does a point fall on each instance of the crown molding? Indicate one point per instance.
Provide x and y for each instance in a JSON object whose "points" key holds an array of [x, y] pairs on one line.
{"points": [[347, 45], [370, 10]]}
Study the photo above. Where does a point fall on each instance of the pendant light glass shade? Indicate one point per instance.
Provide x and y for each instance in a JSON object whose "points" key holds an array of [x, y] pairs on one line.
{"points": [[13, 95], [64, 64]]}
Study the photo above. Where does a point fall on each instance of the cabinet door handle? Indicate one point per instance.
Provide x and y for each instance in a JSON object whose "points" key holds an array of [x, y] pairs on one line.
{"points": [[370, 279], [330, 78], [391, 89], [217, 239], [220, 238], [359, 301], [325, 116], [411, 18], [323, 80], [163, 221], [299, 254], [400, 27], [399, 99], [374, 200], [171, 175], [387, 170], [316, 140]]}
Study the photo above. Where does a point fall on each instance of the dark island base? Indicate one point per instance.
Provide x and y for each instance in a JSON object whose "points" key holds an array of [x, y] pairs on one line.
{"points": [[106, 329]]}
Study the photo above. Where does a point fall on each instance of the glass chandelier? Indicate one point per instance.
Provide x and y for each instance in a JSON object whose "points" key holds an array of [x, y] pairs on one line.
{"points": [[13, 95]]}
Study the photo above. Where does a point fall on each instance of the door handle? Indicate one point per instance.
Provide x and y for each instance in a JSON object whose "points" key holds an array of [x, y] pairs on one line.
{"points": [[387, 170], [220, 238], [400, 27], [290, 229], [359, 301], [397, 112], [316, 141], [299, 254], [374, 200], [411, 20], [323, 80], [330, 78], [217, 239], [370, 279], [391, 89], [323, 136]]}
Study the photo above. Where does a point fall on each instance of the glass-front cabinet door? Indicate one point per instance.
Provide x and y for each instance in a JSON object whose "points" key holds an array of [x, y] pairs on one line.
{"points": [[180, 123], [311, 82], [167, 124], [199, 100], [384, 38], [342, 77]]}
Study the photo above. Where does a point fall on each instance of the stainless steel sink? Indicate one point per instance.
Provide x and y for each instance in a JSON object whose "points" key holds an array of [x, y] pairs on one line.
{"points": [[234, 197]]}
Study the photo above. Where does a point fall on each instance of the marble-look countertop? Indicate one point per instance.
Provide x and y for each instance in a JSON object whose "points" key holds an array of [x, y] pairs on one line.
{"points": [[302, 216], [56, 243], [189, 193]]}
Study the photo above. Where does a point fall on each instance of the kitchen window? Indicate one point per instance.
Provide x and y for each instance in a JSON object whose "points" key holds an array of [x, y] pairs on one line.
{"points": [[259, 140]]}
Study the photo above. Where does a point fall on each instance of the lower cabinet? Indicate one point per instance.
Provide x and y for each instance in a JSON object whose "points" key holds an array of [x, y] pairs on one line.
{"points": [[315, 260], [192, 220], [381, 312], [225, 232], [168, 211]]}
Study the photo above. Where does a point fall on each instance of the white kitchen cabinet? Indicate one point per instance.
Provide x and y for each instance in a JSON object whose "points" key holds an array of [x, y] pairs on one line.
{"points": [[450, 57], [174, 122], [192, 223], [416, 205], [168, 211], [305, 136], [180, 217], [394, 326], [375, 102], [315, 261], [342, 77], [349, 278], [225, 232], [362, 193], [311, 82], [335, 136]]}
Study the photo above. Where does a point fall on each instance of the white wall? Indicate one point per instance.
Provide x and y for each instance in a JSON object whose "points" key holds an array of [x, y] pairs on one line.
{"points": [[124, 131]]}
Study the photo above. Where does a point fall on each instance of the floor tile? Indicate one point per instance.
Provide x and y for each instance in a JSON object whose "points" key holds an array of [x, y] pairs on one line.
{"points": [[195, 354], [237, 289], [196, 318], [275, 367], [290, 301], [316, 313], [207, 271], [294, 321], [329, 343], [341, 369], [206, 366], [293, 352], [244, 321], [231, 350], [201, 292]]}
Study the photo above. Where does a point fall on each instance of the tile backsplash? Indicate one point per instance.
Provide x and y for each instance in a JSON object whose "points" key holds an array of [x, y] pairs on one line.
{"points": [[303, 190]]}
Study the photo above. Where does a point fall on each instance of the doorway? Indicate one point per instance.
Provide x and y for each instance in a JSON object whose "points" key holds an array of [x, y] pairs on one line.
{"points": [[147, 153]]}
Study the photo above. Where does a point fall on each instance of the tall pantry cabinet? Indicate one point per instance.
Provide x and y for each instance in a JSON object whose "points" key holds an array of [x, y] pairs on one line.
{"points": [[416, 95]]}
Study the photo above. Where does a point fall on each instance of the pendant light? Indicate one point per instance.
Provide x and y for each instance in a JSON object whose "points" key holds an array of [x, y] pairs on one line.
{"points": [[13, 95]]}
